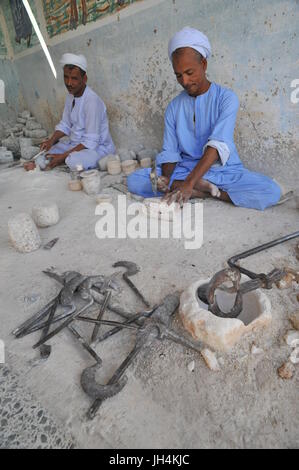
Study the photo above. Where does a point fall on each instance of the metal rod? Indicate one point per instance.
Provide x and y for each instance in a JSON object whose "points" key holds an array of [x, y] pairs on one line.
{"points": [[84, 344], [108, 322], [100, 316], [232, 261]]}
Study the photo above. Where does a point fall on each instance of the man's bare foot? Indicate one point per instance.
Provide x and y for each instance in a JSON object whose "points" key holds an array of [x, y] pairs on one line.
{"points": [[207, 187], [28, 166], [203, 189]]}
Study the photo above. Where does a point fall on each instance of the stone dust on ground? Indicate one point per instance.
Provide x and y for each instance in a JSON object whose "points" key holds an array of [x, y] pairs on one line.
{"points": [[164, 404]]}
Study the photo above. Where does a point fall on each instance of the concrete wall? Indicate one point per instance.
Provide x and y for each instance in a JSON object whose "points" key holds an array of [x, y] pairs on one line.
{"points": [[9, 81], [9, 75], [255, 52]]}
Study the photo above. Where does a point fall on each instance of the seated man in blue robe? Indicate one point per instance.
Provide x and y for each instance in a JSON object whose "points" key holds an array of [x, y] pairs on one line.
{"points": [[199, 156]]}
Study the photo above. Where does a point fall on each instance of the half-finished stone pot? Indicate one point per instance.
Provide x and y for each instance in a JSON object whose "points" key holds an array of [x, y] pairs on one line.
{"points": [[223, 333]]}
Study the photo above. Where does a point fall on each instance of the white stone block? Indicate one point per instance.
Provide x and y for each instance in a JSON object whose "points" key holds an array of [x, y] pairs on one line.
{"points": [[23, 233]]}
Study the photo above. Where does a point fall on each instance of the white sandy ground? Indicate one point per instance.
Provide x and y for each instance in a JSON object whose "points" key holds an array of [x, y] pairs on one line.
{"points": [[164, 405]]}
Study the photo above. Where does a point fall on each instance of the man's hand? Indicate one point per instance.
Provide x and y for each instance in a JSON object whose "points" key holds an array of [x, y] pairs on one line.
{"points": [[46, 145], [180, 194], [29, 166], [162, 184], [55, 160]]}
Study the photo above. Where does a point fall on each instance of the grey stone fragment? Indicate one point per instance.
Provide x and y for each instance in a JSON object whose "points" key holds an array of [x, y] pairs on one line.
{"points": [[27, 153], [33, 125], [37, 134], [12, 144]]}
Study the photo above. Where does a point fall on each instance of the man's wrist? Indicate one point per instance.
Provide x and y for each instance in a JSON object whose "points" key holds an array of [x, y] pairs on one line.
{"points": [[168, 168], [191, 180]]}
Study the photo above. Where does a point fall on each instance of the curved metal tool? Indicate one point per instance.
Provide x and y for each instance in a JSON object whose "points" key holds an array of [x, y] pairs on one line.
{"points": [[24, 327], [29, 325], [66, 299], [35, 323], [100, 392], [151, 329], [64, 324], [206, 292], [131, 270]]}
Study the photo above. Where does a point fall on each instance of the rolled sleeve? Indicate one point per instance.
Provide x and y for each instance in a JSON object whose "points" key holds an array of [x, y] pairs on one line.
{"points": [[221, 148], [170, 152]]}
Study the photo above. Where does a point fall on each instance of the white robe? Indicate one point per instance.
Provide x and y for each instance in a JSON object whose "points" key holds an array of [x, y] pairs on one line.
{"points": [[86, 123]]}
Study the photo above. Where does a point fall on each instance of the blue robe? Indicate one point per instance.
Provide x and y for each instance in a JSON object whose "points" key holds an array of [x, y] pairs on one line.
{"points": [[191, 124]]}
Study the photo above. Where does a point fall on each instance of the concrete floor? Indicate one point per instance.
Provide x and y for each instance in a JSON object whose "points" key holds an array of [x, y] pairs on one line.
{"points": [[163, 405]]}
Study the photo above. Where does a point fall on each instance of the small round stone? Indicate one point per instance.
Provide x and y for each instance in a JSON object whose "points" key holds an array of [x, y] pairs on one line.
{"points": [[45, 216]]}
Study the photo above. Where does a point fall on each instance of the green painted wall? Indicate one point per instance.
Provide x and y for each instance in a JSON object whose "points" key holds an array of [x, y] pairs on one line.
{"points": [[61, 17], [3, 50], [11, 29]]}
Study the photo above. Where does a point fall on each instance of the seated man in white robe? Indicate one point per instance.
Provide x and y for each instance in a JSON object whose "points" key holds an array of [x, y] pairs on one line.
{"points": [[84, 122]]}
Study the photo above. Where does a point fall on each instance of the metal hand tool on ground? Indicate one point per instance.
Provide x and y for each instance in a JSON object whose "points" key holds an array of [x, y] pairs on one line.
{"points": [[66, 299], [138, 318], [83, 291], [100, 316], [40, 314], [74, 313], [145, 335], [34, 323], [207, 292], [99, 299], [98, 392], [132, 269], [107, 322], [86, 346], [71, 280], [50, 244], [159, 312], [45, 349], [20, 330]]}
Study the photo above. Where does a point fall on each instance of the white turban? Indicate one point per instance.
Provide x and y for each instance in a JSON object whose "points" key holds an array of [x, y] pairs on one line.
{"points": [[73, 59], [190, 37]]}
